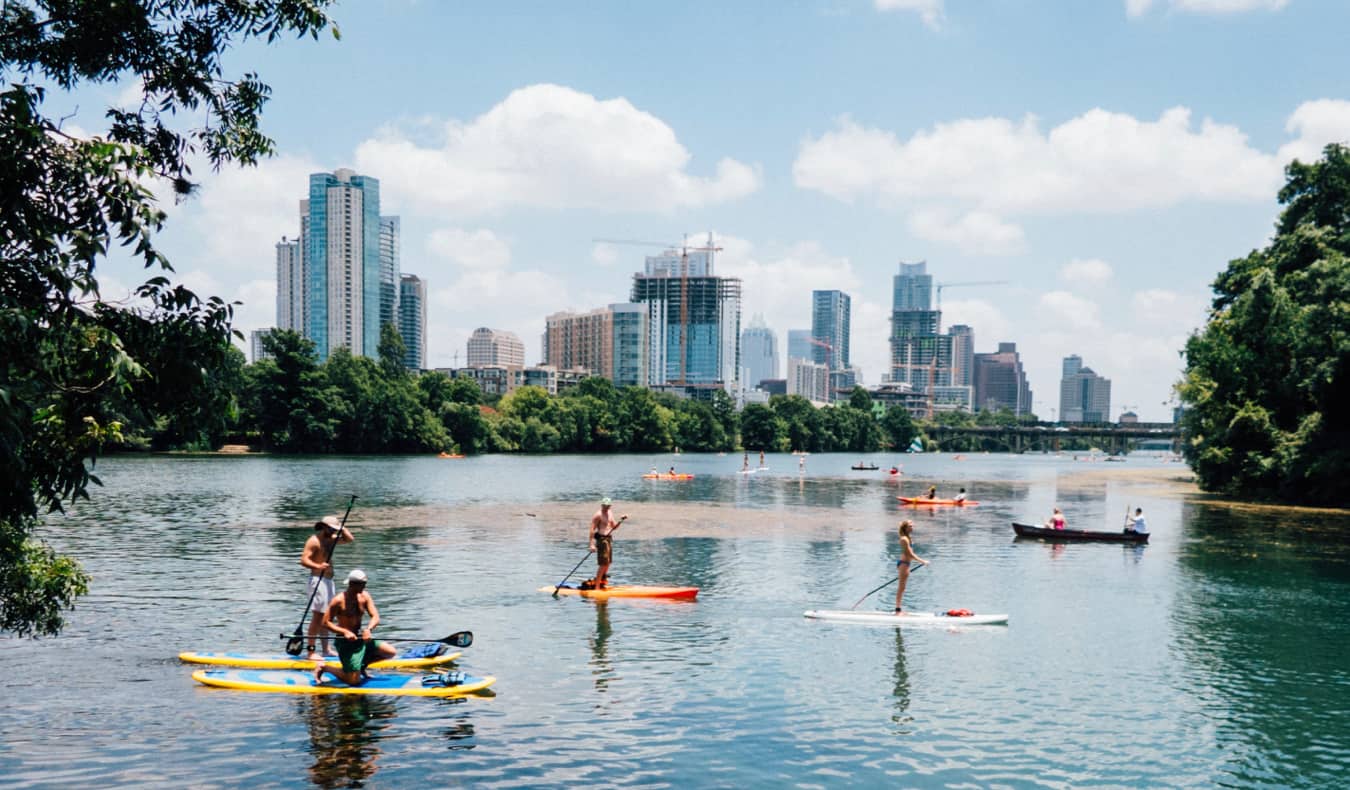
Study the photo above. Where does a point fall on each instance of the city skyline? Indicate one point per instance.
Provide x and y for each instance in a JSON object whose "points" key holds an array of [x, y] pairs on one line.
{"points": [[1108, 194]]}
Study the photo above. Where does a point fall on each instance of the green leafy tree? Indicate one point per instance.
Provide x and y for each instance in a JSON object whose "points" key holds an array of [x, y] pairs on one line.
{"points": [[860, 399], [761, 429], [288, 400], [1265, 379], [644, 425], [801, 419], [392, 351], [899, 427]]}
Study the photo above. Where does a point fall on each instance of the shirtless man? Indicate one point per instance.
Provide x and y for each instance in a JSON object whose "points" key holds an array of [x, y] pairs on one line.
{"points": [[356, 649], [602, 541], [328, 532]]}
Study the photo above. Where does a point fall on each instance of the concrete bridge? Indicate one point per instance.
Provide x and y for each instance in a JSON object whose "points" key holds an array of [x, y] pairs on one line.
{"points": [[1036, 437]]}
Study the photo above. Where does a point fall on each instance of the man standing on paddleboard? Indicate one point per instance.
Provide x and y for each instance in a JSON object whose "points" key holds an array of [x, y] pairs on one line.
{"points": [[356, 649], [602, 541], [328, 532]]}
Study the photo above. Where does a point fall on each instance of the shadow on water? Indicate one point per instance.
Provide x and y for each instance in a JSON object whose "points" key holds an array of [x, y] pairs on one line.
{"points": [[1259, 622], [344, 735]]}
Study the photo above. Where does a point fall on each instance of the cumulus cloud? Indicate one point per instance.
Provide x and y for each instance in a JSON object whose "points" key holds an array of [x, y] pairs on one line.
{"points": [[930, 11], [1136, 8], [1070, 311], [1315, 124], [549, 146], [469, 248], [988, 322], [974, 232], [1088, 272]]}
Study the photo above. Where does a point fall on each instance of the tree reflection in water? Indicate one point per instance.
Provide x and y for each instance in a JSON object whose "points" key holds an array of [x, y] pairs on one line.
{"points": [[344, 732]]}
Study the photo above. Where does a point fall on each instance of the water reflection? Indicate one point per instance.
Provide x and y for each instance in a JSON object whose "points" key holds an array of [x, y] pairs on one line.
{"points": [[601, 668], [344, 733], [901, 690]]}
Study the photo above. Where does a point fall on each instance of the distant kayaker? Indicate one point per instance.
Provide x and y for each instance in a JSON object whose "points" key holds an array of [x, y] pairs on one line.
{"points": [[960, 496], [932, 493], [355, 646], [671, 472], [902, 565], [895, 470], [1056, 520], [653, 472], [1137, 523], [328, 532], [602, 540]]}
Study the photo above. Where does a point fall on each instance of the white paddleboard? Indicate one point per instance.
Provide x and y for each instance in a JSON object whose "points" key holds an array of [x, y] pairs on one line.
{"points": [[906, 618]]}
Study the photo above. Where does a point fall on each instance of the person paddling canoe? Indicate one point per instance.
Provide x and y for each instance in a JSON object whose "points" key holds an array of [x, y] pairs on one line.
{"points": [[602, 540], [1136, 522], [356, 648], [902, 565], [328, 532], [1056, 520]]}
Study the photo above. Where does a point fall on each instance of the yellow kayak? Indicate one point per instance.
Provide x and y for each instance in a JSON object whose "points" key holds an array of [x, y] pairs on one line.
{"points": [[283, 661]]}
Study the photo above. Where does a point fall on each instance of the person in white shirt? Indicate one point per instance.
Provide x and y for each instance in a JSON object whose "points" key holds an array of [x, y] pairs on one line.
{"points": [[1137, 523]]}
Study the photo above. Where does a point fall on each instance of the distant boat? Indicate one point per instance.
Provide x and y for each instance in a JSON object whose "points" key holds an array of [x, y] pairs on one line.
{"points": [[915, 446], [864, 467], [1046, 533]]}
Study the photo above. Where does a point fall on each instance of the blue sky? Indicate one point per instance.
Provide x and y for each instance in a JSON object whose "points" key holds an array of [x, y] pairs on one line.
{"points": [[1106, 158]]}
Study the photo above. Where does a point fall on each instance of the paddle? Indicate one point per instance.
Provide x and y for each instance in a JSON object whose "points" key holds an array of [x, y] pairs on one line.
{"points": [[589, 552], [882, 587], [457, 639], [296, 641]]}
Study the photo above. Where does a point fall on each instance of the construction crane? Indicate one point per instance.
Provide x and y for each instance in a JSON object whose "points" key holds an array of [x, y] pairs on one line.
{"points": [[684, 285], [940, 286], [829, 350]]}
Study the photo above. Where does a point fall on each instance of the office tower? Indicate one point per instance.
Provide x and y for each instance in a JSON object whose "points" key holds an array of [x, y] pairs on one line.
{"points": [[759, 353], [290, 286], [1083, 395], [340, 225], [607, 342], [963, 355], [919, 355], [390, 285], [799, 344], [495, 347], [1000, 381], [693, 320], [809, 380], [412, 320], [830, 328]]}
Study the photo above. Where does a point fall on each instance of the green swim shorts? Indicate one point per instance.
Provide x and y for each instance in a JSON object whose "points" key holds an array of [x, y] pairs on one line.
{"points": [[356, 654]]}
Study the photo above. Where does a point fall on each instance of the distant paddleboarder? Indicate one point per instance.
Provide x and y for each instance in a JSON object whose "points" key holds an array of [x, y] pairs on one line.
{"points": [[328, 532], [356, 648]]}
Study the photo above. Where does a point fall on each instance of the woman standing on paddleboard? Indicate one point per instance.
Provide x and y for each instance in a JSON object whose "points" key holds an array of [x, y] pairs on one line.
{"points": [[902, 565]]}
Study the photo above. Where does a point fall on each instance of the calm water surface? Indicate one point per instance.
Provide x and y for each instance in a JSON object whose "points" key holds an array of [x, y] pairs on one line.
{"points": [[1217, 655]]}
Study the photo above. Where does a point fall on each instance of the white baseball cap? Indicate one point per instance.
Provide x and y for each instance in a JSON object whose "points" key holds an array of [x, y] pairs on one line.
{"points": [[356, 576]]}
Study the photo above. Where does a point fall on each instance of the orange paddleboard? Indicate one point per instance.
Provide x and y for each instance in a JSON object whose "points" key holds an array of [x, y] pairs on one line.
{"points": [[630, 591]]}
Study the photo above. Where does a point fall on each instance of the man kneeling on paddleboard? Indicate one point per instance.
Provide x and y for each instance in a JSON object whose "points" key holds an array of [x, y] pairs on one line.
{"points": [[356, 649]]}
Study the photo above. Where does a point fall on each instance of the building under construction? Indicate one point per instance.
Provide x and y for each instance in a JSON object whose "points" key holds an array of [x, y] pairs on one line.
{"points": [[693, 320]]}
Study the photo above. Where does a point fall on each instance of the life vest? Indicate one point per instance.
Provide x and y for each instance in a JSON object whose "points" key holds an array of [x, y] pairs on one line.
{"points": [[959, 613]]}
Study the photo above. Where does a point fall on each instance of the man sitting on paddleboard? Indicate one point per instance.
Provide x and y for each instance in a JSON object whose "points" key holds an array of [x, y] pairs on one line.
{"points": [[328, 531], [356, 649], [902, 565], [602, 541]]}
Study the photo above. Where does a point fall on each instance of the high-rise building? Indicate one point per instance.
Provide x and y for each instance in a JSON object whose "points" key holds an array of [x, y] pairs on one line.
{"points": [[759, 353], [919, 355], [963, 355], [809, 380], [340, 224], [693, 320], [608, 342], [492, 347], [256, 337], [412, 320], [390, 285], [1000, 381], [1083, 395], [830, 328], [799, 344], [290, 286]]}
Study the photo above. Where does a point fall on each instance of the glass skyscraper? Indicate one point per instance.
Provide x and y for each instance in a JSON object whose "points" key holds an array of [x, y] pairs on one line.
{"points": [[341, 243], [412, 320], [693, 322], [389, 271], [759, 353], [830, 328]]}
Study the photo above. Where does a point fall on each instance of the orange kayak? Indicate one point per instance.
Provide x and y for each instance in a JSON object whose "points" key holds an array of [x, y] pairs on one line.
{"points": [[668, 476], [630, 591], [918, 500]]}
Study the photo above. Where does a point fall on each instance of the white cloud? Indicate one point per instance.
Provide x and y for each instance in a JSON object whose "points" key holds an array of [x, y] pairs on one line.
{"points": [[1099, 161], [974, 232], [604, 254], [988, 322], [930, 11], [549, 146], [470, 248], [1316, 123], [1136, 8], [1072, 312], [1168, 311], [1088, 272]]}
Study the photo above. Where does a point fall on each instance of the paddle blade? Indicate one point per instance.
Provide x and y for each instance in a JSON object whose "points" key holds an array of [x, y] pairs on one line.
{"points": [[461, 639], [294, 645]]}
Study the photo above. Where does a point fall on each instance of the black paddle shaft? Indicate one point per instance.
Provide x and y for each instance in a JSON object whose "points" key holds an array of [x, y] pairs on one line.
{"points": [[457, 639], [297, 639]]}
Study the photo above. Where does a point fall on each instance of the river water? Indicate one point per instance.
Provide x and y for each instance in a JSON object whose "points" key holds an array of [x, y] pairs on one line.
{"points": [[1216, 655]]}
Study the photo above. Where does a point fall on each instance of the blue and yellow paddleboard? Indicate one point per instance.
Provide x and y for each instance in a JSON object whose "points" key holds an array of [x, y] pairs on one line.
{"points": [[292, 682], [283, 661]]}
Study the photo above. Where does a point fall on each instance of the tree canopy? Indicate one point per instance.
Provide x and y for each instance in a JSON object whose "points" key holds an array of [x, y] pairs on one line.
{"points": [[73, 365], [1264, 388]]}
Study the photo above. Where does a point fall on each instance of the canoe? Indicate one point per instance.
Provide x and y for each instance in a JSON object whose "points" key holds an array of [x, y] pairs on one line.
{"points": [[907, 618], [919, 500], [450, 455], [864, 468], [283, 661], [292, 682], [1029, 531], [668, 476], [630, 591]]}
